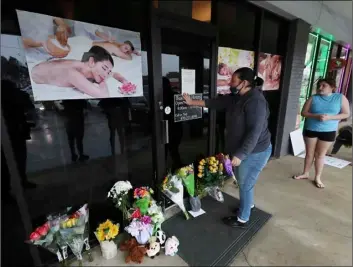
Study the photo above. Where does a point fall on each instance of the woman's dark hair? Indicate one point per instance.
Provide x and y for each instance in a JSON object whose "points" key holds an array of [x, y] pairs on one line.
{"points": [[98, 53], [331, 82], [130, 44], [247, 74]]}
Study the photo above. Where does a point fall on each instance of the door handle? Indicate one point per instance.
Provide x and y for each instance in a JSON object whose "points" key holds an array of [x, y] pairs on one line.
{"points": [[165, 131]]}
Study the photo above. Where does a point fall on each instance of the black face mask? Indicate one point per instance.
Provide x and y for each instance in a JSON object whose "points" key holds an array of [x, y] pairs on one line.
{"points": [[235, 90]]}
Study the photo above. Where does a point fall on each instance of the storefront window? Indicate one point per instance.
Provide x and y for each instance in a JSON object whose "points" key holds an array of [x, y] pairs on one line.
{"points": [[321, 62], [70, 152], [307, 76], [340, 72]]}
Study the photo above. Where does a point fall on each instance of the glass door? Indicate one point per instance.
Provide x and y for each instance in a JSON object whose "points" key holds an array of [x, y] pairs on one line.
{"points": [[181, 53]]}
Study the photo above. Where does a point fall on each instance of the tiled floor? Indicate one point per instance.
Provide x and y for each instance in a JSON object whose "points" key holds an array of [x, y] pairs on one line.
{"points": [[310, 226]]}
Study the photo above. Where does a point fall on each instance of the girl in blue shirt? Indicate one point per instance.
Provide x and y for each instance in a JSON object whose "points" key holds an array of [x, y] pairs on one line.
{"points": [[323, 112]]}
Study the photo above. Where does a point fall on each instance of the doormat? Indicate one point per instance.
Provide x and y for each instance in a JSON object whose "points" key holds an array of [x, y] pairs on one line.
{"points": [[205, 240]]}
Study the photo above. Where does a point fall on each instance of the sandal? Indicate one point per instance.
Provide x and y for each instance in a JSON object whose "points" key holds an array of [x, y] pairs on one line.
{"points": [[319, 184]]}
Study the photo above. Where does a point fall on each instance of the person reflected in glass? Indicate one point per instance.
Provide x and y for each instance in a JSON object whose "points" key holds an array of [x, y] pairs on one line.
{"points": [[15, 104], [116, 111], [175, 128], [75, 126], [322, 112], [248, 139]]}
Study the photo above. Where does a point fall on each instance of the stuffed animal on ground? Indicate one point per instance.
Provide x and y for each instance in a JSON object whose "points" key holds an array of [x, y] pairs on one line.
{"points": [[161, 238], [153, 249], [136, 252], [171, 246]]}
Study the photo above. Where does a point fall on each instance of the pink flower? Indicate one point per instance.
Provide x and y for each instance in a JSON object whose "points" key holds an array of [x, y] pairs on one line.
{"points": [[128, 88], [34, 236], [146, 219]]}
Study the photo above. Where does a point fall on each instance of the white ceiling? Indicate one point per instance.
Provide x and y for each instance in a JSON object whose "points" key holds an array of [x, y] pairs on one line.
{"points": [[343, 8], [333, 17]]}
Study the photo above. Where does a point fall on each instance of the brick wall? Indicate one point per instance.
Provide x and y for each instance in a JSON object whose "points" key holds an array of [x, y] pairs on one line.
{"points": [[291, 83]]}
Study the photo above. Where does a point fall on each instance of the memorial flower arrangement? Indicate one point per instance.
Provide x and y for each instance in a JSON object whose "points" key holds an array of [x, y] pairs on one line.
{"points": [[211, 176], [73, 232], [146, 216], [63, 230], [45, 237], [106, 233], [119, 195], [186, 174], [172, 187]]}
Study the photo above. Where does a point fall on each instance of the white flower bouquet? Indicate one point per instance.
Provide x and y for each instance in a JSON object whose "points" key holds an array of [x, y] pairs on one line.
{"points": [[119, 195]]}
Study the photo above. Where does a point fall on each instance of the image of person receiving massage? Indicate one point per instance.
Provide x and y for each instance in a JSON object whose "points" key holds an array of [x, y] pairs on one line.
{"points": [[87, 76], [95, 36]]}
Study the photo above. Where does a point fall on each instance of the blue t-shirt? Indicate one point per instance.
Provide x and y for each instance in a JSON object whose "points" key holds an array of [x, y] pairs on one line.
{"points": [[330, 105]]}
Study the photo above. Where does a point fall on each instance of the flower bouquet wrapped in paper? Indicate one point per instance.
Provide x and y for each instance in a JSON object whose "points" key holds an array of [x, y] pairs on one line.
{"points": [[173, 188], [105, 233], [119, 195]]}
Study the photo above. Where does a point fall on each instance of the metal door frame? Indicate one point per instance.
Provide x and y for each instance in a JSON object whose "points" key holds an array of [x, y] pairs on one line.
{"points": [[159, 19]]}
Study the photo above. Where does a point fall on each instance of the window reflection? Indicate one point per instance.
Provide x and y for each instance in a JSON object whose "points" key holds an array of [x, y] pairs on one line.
{"points": [[201, 10]]}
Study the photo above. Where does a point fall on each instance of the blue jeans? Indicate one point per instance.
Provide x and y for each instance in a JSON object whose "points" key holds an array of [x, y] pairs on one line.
{"points": [[247, 174]]}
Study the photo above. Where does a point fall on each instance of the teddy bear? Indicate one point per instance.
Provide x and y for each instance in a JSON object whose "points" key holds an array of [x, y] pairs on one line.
{"points": [[171, 246], [136, 252], [161, 238]]}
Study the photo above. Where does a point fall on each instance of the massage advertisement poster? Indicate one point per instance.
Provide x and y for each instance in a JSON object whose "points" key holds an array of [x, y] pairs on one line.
{"points": [[270, 71], [69, 59], [229, 60]]}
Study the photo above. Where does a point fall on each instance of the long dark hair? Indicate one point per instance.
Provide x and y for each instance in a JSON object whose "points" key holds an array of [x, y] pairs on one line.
{"points": [[247, 74]]}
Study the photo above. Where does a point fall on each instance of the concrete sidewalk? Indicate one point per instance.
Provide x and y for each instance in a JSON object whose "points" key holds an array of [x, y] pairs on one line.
{"points": [[310, 226]]}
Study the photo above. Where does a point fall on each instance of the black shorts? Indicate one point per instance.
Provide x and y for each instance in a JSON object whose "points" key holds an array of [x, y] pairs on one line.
{"points": [[322, 136]]}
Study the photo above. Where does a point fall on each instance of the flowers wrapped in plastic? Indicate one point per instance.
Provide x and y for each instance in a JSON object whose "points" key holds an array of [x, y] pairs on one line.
{"points": [[186, 174], [72, 231], [105, 233], [172, 187], [228, 168], [145, 205], [119, 195], [211, 176], [45, 237], [141, 229]]}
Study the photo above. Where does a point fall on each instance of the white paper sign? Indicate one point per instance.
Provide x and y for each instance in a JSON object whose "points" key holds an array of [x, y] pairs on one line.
{"points": [[297, 141], [188, 81], [331, 161], [198, 213]]}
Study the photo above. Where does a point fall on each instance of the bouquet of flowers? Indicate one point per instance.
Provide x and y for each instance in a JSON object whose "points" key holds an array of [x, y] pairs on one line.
{"points": [[141, 229], [228, 168], [119, 195], [211, 177], [72, 231], [172, 187], [186, 174], [105, 233], [145, 205], [45, 237]]}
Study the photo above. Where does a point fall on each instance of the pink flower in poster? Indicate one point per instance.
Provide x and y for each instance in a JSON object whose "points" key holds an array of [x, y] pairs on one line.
{"points": [[128, 88]]}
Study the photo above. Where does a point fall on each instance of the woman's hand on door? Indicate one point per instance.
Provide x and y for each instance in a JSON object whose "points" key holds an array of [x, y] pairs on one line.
{"points": [[187, 99]]}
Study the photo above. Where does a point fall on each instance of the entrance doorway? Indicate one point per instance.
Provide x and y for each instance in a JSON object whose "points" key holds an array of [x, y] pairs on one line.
{"points": [[178, 43]]}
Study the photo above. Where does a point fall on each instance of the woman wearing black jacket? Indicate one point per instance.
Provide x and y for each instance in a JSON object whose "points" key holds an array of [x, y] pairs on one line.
{"points": [[248, 140]]}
